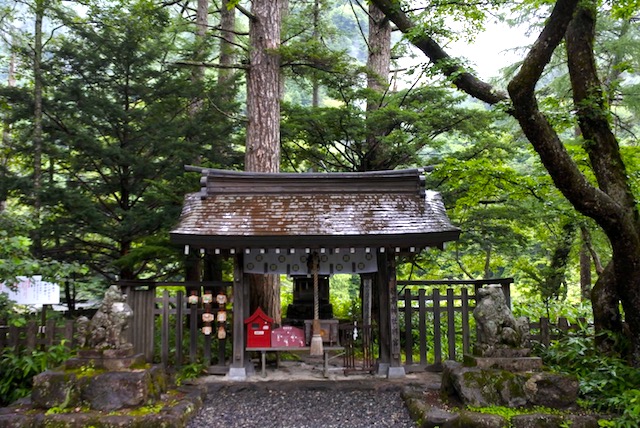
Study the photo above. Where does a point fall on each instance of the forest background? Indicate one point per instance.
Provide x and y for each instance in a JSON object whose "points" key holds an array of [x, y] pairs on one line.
{"points": [[104, 102]]}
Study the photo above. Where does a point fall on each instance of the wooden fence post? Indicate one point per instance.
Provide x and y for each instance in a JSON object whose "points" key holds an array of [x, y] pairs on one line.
{"points": [[179, 326], [451, 325], [32, 335], [437, 338], [164, 342], [422, 308], [466, 333], [545, 336]]}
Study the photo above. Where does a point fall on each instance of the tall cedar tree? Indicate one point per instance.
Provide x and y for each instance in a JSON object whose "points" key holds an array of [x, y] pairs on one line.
{"points": [[118, 118], [263, 130]]}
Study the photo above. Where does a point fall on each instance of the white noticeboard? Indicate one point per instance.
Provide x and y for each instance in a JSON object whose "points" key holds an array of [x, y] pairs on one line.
{"points": [[33, 291]]}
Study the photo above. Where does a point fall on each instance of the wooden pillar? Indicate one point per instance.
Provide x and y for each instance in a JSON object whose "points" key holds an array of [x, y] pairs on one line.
{"points": [[395, 368], [237, 371], [367, 299], [381, 283]]}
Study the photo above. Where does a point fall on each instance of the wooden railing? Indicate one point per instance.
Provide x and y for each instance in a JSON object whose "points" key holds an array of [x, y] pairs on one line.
{"points": [[544, 331], [34, 336], [438, 325]]}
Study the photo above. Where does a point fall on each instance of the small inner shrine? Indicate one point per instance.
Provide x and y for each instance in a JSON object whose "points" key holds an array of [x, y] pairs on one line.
{"points": [[301, 308]]}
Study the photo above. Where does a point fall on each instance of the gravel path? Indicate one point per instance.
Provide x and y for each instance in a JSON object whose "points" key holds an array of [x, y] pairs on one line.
{"points": [[303, 405]]}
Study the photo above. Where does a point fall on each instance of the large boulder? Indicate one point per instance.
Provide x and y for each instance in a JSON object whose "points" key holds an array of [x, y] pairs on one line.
{"points": [[493, 387], [116, 390]]}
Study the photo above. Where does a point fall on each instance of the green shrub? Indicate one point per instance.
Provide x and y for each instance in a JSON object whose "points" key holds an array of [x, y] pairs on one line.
{"points": [[18, 367], [607, 383]]}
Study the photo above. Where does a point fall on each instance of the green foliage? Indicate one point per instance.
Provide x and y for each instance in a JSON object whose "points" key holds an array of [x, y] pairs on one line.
{"points": [[335, 138], [190, 371], [18, 366], [532, 307], [607, 383], [510, 412], [345, 296]]}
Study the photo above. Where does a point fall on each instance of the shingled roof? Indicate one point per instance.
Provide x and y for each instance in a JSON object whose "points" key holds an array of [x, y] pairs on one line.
{"points": [[280, 210]]}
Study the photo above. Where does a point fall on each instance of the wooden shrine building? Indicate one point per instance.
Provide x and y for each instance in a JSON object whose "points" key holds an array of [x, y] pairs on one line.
{"points": [[356, 222]]}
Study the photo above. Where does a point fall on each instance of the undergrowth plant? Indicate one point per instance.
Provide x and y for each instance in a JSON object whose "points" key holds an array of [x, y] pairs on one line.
{"points": [[18, 367], [607, 383]]}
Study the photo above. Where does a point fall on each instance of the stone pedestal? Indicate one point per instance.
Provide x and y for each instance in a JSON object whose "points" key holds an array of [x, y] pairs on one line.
{"points": [[108, 359], [101, 380], [512, 364]]}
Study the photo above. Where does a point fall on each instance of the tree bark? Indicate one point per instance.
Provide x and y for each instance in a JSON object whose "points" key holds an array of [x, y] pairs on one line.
{"points": [[40, 8], [6, 139], [606, 315], [585, 272], [378, 67], [262, 152], [263, 88], [227, 41]]}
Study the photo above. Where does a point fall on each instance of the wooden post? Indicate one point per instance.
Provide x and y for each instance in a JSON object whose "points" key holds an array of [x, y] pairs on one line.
{"points": [[437, 338], [395, 369], [422, 308], [165, 329], [240, 309], [367, 290], [193, 330], [451, 325], [466, 334], [408, 327], [179, 326], [384, 357]]}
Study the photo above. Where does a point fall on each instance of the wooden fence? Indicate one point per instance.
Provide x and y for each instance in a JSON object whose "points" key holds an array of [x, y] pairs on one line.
{"points": [[544, 331], [167, 328], [438, 325], [34, 336], [435, 324]]}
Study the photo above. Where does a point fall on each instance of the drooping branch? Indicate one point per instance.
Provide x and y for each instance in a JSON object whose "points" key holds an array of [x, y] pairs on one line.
{"points": [[450, 67], [563, 170]]}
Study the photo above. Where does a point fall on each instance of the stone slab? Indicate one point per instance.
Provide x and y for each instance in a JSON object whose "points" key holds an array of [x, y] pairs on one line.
{"points": [[514, 364], [396, 373], [105, 360]]}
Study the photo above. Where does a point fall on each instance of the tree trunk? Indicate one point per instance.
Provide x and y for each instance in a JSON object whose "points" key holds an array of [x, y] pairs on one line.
{"points": [[585, 265], [315, 86], [197, 73], [227, 40], [606, 315], [554, 285], [40, 9], [6, 139], [263, 89], [263, 129], [378, 65]]}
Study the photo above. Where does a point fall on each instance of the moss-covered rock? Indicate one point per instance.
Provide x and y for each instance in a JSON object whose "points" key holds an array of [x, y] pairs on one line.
{"points": [[55, 389], [483, 387]]}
